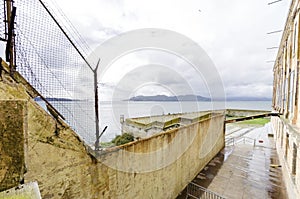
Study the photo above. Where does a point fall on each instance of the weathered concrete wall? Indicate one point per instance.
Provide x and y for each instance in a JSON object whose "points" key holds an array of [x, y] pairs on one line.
{"points": [[12, 131], [157, 167], [243, 113], [147, 126], [55, 157], [161, 166]]}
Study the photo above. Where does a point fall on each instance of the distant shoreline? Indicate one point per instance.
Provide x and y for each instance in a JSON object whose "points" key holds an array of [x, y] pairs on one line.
{"points": [[170, 99], [164, 98], [50, 99]]}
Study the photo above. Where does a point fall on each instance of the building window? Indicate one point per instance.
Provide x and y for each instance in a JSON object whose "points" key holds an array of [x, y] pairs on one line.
{"points": [[295, 38], [286, 145], [291, 94], [281, 135], [294, 165]]}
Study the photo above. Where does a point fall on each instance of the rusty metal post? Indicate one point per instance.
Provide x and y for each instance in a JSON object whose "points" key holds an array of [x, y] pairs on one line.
{"points": [[9, 51], [8, 11]]}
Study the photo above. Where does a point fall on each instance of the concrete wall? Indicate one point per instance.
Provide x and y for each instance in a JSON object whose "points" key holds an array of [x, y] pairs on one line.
{"points": [[243, 113], [162, 165], [12, 131], [147, 126], [64, 167], [54, 156]]}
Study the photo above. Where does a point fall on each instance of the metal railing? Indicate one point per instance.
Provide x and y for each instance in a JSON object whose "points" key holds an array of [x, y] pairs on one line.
{"points": [[236, 140], [198, 192]]}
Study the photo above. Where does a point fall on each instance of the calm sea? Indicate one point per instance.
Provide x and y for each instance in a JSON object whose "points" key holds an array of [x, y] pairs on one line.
{"points": [[110, 113]]}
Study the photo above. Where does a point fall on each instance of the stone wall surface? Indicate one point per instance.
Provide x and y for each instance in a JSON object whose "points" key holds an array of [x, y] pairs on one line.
{"points": [[53, 154], [12, 129], [64, 167]]}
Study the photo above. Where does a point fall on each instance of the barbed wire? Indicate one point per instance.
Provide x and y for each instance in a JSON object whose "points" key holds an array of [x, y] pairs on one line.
{"points": [[69, 27], [51, 64]]}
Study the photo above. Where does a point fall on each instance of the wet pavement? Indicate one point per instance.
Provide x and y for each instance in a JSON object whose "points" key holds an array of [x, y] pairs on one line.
{"points": [[248, 167]]}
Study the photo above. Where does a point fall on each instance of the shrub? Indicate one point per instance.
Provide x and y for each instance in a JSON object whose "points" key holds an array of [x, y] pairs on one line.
{"points": [[123, 139]]}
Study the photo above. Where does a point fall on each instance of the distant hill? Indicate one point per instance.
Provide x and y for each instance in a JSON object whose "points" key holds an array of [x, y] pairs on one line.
{"points": [[193, 98], [169, 98]]}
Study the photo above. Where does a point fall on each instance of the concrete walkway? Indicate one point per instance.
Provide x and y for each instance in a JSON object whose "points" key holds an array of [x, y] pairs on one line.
{"points": [[246, 169]]}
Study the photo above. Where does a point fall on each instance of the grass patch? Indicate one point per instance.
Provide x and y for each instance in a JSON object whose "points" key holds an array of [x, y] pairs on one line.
{"points": [[258, 121]]}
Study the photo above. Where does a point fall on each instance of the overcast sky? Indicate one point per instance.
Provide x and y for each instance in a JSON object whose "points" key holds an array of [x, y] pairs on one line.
{"points": [[233, 33]]}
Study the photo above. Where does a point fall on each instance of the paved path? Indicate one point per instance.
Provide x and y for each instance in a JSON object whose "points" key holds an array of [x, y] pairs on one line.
{"points": [[245, 171]]}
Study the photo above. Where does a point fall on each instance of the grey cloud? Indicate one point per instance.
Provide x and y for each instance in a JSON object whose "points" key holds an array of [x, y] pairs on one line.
{"points": [[233, 32]]}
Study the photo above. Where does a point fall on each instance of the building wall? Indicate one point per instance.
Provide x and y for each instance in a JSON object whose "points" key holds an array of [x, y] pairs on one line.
{"points": [[287, 145], [286, 69], [286, 101], [64, 167]]}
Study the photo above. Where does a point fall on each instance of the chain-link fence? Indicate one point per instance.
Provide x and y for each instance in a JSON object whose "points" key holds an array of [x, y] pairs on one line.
{"points": [[54, 66]]}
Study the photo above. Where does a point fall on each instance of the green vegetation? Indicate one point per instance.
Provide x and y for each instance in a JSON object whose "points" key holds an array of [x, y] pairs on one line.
{"points": [[258, 121], [123, 139], [107, 144]]}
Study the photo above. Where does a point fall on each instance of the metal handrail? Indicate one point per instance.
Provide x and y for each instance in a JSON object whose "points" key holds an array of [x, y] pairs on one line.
{"points": [[198, 192], [236, 140]]}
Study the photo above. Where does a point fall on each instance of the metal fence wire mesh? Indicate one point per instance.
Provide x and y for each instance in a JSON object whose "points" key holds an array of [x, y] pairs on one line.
{"points": [[47, 59], [3, 28]]}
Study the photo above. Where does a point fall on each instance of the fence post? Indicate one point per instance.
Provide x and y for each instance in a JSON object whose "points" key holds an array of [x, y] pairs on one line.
{"points": [[96, 105], [10, 20]]}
